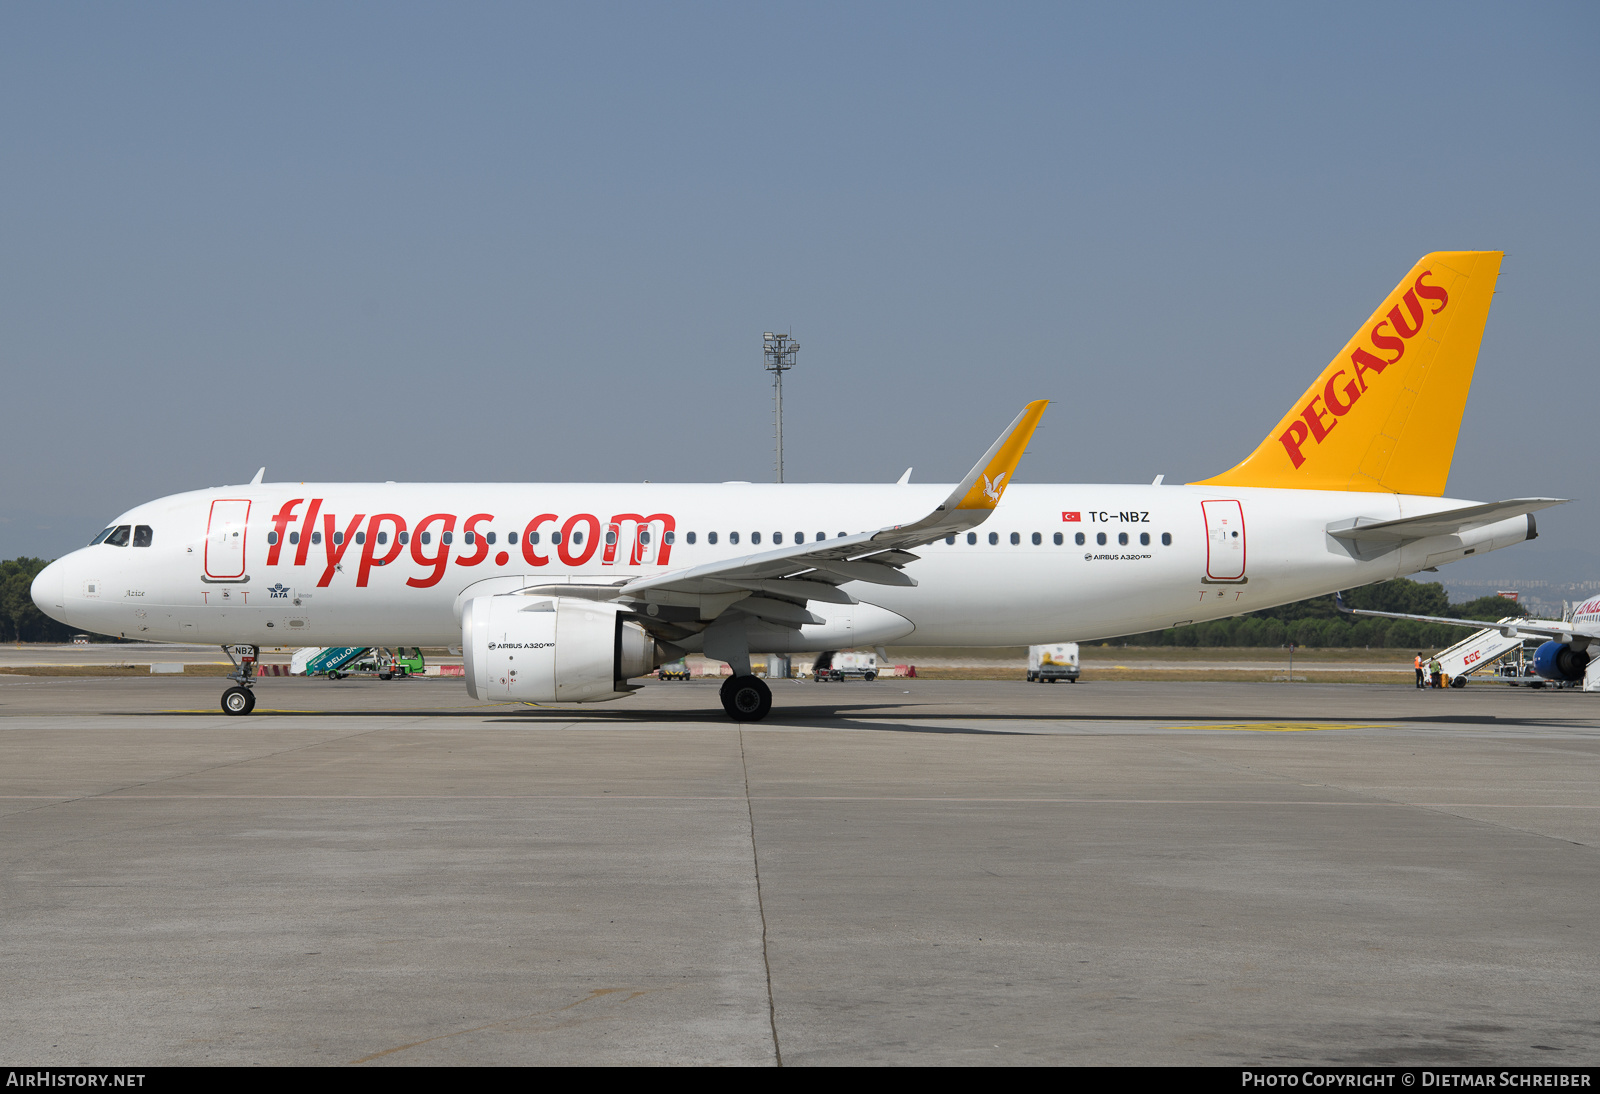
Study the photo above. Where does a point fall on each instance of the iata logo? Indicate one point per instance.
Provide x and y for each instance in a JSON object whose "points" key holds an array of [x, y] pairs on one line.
{"points": [[1404, 322], [279, 591]]}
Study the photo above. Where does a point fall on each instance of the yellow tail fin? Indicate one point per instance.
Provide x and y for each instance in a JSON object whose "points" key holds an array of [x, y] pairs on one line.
{"points": [[1384, 414]]}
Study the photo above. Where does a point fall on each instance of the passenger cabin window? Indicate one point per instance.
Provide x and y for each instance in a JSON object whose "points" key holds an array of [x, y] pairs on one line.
{"points": [[361, 537], [383, 537], [1037, 539], [777, 537], [690, 537], [119, 536], [994, 538], [755, 537], [468, 537], [490, 538], [272, 538], [338, 538], [446, 538], [294, 537], [427, 538], [316, 537], [1100, 538], [1058, 539], [1078, 539], [1144, 539], [404, 538], [1166, 539], [1016, 538], [733, 537], [950, 540], [1122, 538], [711, 538], [611, 539], [577, 539], [972, 538], [669, 537], [644, 535]]}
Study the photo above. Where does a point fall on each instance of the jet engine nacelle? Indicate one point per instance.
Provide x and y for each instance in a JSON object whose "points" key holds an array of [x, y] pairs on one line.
{"points": [[553, 649], [1559, 661]]}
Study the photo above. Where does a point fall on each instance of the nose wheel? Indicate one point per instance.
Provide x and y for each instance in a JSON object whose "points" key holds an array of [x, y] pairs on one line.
{"points": [[746, 698], [237, 700]]}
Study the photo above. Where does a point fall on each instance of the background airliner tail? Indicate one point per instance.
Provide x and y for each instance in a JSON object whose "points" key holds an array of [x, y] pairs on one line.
{"points": [[1384, 414]]}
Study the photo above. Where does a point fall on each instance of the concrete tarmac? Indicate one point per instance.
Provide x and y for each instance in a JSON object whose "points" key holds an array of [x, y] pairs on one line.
{"points": [[902, 872]]}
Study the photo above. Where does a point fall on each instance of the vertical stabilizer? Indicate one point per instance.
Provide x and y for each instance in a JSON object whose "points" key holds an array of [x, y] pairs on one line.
{"points": [[1384, 414]]}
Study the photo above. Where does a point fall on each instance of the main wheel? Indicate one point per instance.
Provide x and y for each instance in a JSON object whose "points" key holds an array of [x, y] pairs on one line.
{"points": [[237, 701], [746, 698]]}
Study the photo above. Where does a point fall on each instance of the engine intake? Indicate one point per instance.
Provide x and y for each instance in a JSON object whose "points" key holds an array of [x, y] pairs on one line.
{"points": [[1559, 661], [554, 650]]}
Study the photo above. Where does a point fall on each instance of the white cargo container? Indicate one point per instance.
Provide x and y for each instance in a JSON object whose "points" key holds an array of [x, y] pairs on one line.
{"points": [[1051, 663]]}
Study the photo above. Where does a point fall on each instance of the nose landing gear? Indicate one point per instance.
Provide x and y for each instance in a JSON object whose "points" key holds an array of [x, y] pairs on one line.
{"points": [[240, 699]]}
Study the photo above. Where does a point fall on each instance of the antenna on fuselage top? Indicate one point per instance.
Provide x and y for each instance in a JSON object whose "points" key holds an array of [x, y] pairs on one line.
{"points": [[257, 480]]}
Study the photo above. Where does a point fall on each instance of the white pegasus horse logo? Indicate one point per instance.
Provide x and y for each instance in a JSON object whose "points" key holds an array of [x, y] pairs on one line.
{"points": [[993, 488]]}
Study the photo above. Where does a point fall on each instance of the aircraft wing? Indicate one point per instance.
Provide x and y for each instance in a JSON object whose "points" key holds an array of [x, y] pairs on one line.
{"points": [[1510, 627], [775, 585], [1446, 523]]}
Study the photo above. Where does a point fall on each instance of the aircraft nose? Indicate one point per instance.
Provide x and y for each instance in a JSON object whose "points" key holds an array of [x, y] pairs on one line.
{"points": [[49, 585]]}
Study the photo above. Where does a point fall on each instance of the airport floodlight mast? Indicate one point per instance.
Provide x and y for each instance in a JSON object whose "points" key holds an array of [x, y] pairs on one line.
{"points": [[778, 352]]}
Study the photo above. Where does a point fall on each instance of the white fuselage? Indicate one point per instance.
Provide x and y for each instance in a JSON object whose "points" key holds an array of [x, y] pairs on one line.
{"points": [[209, 573]]}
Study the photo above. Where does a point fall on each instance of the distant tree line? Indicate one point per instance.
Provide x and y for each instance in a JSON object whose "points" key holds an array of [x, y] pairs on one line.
{"points": [[1318, 623], [20, 620]]}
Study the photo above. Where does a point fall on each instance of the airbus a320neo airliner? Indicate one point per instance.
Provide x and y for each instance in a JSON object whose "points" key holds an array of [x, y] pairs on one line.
{"points": [[566, 592]]}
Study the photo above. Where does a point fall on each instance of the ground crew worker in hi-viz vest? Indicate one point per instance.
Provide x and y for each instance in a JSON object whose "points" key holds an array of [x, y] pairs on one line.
{"points": [[1417, 664], [1436, 671]]}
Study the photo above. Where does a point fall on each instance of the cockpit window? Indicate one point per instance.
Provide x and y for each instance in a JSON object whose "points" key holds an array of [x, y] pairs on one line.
{"points": [[119, 536], [142, 535], [102, 536]]}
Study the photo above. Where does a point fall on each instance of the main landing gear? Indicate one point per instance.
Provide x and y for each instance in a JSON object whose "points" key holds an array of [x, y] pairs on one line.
{"points": [[240, 699], [746, 698]]}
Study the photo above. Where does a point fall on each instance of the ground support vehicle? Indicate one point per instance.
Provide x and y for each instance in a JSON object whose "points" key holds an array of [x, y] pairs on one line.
{"points": [[339, 662], [1047, 664], [836, 667], [677, 670]]}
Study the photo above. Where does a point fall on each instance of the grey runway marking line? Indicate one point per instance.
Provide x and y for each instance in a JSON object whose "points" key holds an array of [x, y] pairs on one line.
{"points": [[117, 796]]}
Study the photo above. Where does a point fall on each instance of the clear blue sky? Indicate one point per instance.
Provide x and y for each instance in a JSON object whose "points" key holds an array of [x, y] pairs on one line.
{"points": [[521, 242]]}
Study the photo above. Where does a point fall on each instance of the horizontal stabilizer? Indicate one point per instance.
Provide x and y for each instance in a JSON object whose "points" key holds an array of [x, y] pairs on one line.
{"points": [[1448, 523]]}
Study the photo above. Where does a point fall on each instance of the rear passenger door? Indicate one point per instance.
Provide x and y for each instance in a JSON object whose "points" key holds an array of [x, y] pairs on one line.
{"points": [[1225, 541]]}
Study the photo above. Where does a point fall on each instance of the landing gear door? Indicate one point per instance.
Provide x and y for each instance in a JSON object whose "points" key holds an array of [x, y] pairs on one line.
{"points": [[1225, 541], [225, 540]]}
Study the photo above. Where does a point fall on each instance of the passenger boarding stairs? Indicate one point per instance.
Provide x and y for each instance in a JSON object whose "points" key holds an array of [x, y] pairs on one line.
{"points": [[1478, 649], [313, 660]]}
